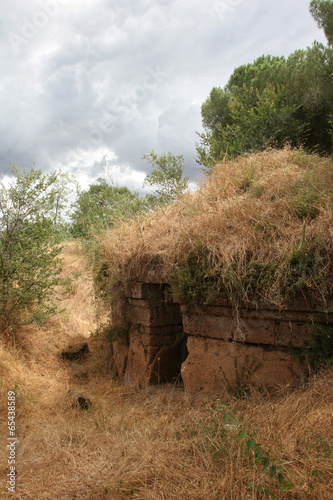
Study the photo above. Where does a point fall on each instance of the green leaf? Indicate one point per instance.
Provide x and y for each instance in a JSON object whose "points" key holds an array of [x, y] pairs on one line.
{"points": [[280, 478], [251, 444], [265, 463], [258, 453], [241, 434], [226, 417], [273, 471]]}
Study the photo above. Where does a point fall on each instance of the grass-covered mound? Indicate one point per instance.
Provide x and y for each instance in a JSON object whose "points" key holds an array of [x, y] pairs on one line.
{"points": [[259, 227]]}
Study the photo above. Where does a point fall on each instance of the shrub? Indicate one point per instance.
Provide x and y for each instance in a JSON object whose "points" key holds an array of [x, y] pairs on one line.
{"points": [[29, 248]]}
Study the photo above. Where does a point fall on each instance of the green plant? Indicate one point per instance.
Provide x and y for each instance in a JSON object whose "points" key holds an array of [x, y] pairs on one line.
{"points": [[271, 475], [193, 279], [305, 268], [101, 206], [113, 333], [30, 237], [318, 353], [167, 177]]}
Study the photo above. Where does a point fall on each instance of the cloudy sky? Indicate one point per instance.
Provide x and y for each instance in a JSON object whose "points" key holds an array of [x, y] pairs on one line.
{"points": [[90, 86]]}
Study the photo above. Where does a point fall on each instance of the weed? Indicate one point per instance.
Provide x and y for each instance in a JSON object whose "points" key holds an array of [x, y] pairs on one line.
{"points": [[112, 333]]}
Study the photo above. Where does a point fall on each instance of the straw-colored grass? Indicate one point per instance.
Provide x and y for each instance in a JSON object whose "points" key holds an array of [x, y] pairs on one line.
{"points": [[261, 225], [151, 444]]}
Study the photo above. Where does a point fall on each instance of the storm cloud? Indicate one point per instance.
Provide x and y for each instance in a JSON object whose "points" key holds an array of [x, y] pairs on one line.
{"points": [[89, 87]]}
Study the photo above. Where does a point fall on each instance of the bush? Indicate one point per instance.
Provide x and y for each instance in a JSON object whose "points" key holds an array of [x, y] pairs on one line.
{"points": [[29, 248]]}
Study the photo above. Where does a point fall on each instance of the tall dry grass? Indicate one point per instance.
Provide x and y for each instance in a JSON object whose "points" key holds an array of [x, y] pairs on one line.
{"points": [[151, 444], [255, 219]]}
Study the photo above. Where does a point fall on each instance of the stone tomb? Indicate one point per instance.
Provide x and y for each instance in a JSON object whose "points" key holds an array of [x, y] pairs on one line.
{"points": [[210, 350]]}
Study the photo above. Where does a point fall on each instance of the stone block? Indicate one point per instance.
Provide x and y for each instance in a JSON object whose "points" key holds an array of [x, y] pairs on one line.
{"points": [[118, 314], [120, 356], [157, 340], [157, 331], [168, 314], [254, 331], [146, 303], [137, 373], [292, 333], [218, 327], [143, 291], [215, 366]]}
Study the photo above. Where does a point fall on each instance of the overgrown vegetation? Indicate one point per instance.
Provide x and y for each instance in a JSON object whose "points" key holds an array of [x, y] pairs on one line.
{"points": [[259, 228], [157, 442], [167, 177], [318, 352], [30, 242], [101, 206]]}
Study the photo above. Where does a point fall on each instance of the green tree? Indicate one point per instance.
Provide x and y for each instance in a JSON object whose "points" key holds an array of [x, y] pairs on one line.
{"points": [[322, 12], [167, 177], [100, 206], [271, 101], [270, 121], [29, 248]]}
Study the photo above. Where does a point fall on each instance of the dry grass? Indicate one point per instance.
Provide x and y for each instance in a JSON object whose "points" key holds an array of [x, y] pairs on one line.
{"points": [[146, 444], [250, 227]]}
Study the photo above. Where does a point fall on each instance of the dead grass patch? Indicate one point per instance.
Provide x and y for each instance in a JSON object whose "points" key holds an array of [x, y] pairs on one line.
{"points": [[260, 227]]}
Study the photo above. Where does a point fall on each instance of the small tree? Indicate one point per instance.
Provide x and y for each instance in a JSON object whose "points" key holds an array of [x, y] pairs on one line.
{"points": [[167, 176], [100, 206], [29, 248]]}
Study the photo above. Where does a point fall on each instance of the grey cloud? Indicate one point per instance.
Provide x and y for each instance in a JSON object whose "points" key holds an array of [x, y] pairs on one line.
{"points": [[117, 79]]}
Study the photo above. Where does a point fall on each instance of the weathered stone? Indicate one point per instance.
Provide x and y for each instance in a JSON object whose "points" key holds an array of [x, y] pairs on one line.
{"points": [[76, 352], [292, 333], [119, 314], [158, 340], [143, 290], [218, 327], [211, 310], [254, 331], [136, 373], [214, 365], [223, 343], [168, 314], [146, 303], [120, 356]]}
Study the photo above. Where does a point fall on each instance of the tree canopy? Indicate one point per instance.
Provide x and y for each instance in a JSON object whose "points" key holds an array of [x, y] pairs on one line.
{"points": [[30, 239], [272, 101], [101, 205]]}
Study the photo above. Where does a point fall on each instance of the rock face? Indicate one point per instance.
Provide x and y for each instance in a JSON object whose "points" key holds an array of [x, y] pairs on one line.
{"points": [[212, 366], [211, 351]]}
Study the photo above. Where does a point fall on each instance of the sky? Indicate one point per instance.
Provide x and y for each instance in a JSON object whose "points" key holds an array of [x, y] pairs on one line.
{"points": [[90, 86]]}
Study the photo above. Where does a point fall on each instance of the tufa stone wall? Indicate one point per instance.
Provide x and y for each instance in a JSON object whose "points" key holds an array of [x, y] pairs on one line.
{"points": [[212, 350]]}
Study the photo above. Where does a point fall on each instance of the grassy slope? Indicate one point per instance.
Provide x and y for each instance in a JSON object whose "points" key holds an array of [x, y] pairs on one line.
{"points": [[259, 226]]}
